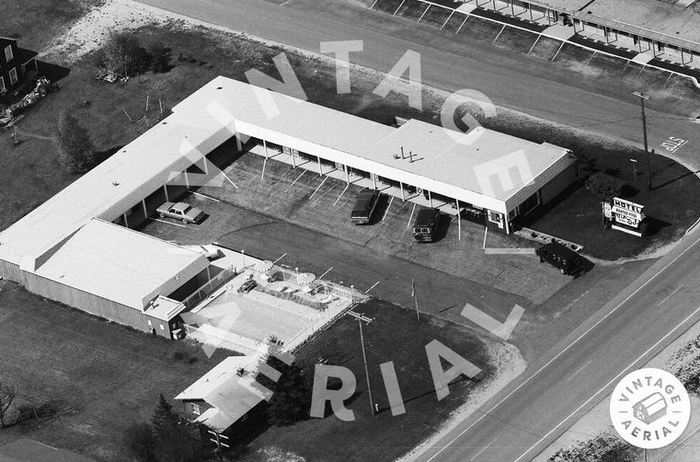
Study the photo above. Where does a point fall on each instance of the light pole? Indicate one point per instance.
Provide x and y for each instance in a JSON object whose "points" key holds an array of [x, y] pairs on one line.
{"points": [[360, 319], [634, 168], [642, 97]]}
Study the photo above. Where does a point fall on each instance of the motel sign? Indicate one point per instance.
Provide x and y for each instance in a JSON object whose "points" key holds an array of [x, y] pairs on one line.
{"points": [[627, 216]]}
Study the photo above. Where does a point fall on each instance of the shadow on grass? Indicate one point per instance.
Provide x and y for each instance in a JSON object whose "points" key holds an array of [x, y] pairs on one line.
{"points": [[654, 226], [101, 156], [531, 218], [673, 180], [51, 71]]}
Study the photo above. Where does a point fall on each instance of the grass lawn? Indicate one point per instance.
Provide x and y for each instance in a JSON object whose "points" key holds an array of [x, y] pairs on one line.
{"points": [[669, 204], [516, 39], [394, 335], [102, 376], [36, 22], [545, 48]]}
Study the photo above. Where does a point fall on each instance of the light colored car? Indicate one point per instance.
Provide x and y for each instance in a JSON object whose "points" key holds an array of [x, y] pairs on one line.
{"points": [[181, 211]]}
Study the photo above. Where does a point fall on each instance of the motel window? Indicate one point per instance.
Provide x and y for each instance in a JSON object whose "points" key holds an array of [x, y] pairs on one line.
{"points": [[495, 217], [2, 84], [196, 410], [8, 53], [150, 324], [13, 76], [161, 327]]}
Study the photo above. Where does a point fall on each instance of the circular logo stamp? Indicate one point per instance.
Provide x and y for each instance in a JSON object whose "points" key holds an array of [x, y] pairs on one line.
{"points": [[650, 408]]}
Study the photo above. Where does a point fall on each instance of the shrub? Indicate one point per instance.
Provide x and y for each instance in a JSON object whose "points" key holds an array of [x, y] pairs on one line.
{"points": [[77, 152], [604, 186], [139, 441], [604, 447], [685, 364]]}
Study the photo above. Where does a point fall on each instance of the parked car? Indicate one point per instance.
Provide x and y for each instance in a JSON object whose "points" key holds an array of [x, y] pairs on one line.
{"points": [[426, 224], [247, 286], [181, 211], [364, 206], [561, 257]]}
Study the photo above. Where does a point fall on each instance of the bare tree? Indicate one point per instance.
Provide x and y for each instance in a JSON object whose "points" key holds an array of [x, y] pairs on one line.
{"points": [[7, 395]]}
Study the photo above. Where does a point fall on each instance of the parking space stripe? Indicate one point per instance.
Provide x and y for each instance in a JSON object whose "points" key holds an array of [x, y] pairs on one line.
{"points": [[408, 225], [341, 194], [387, 209], [168, 223], [297, 179], [318, 187], [320, 196], [205, 197]]}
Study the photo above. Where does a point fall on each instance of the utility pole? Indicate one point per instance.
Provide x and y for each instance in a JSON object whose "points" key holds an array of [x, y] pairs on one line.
{"points": [[642, 97], [360, 319]]}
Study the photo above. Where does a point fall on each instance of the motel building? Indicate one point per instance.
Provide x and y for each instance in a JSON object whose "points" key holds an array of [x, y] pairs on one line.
{"points": [[82, 247], [667, 30]]}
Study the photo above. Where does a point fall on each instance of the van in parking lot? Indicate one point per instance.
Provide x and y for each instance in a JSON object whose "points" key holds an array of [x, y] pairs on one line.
{"points": [[561, 257], [364, 206], [426, 224]]}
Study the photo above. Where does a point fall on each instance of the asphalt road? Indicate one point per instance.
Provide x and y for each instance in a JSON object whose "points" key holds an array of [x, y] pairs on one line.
{"points": [[525, 418], [508, 79]]}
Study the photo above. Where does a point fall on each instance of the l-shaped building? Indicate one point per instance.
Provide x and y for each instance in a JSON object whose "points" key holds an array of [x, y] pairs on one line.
{"points": [[80, 247]]}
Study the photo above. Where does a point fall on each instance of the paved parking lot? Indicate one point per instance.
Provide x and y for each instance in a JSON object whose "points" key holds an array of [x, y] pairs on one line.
{"points": [[306, 216], [323, 204]]}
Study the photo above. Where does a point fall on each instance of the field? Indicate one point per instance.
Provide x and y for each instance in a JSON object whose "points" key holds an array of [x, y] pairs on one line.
{"points": [[393, 335], [101, 376]]}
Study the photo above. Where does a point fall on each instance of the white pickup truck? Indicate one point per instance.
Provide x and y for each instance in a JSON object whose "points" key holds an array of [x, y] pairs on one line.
{"points": [[181, 211]]}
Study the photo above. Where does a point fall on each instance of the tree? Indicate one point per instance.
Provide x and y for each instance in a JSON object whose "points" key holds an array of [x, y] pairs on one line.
{"points": [[7, 395], [586, 164], [291, 400], [163, 418], [140, 442], [123, 55], [77, 149], [604, 186], [175, 440]]}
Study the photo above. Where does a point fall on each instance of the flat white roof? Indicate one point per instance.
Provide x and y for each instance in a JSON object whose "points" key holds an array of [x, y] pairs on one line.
{"points": [[470, 161], [470, 167], [122, 265], [115, 185]]}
